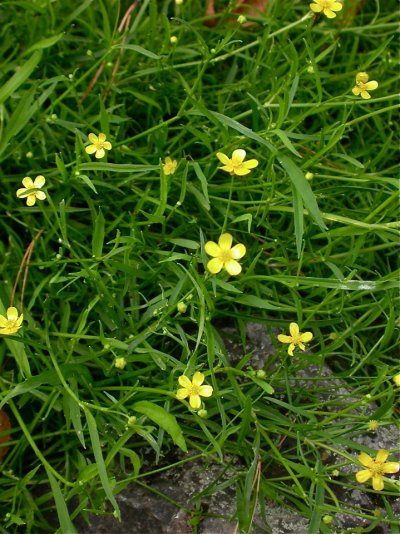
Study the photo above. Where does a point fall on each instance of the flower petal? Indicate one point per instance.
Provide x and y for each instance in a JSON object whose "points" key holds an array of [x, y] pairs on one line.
{"points": [[284, 339], [316, 8], [238, 251], [305, 337], [90, 149], [356, 90], [206, 391], [301, 346], [294, 329], [291, 349], [377, 483], [225, 241], [241, 171], [365, 95], [198, 378], [182, 394], [22, 193], [107, 145], [102, 137], [370, 86], [233, 267], [238, 156], [93, 138], [362, 77], [223, 158], [212, 249], [365, 459], [31, 199], [12, 314], [215, 265], [19, 320], [251, 164], [41, 195], [329, 13], [195, 401], [337, 6], [227, 168], [391, 467], [39, 181], [382, 455], [184, 381], [27, 182], [363, 476], [100, 153], [3, 321]]}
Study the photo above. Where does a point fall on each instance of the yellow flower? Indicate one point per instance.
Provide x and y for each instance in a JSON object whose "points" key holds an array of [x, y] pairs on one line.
{"points": [[120, 363], [295, 338], [224, 255], [236, 164], [31, 191], [193, 389], [376, 468], [327, 7], [169, 166], [12, 323], [98, 145], [373, 425], [396, 379], [363, 85]]}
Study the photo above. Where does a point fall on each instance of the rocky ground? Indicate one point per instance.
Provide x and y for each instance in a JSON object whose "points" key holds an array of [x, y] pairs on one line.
{"points": [[165, 504]]}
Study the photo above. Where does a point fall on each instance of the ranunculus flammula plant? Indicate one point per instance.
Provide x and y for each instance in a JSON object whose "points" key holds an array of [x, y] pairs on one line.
{"points": [[375, 469], [363, 86], [193, 389], [224, 255], [98, 146], [31, 190], [296, 338], [327, 7], [12, 323], [237, 164]]}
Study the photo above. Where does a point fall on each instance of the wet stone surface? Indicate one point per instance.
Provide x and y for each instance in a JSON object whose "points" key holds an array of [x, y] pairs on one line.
{"points": [[203, 493]]}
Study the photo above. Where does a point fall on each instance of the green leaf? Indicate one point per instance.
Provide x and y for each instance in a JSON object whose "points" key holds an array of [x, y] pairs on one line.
{"points": [[256, 302], [139, 50], [45, 43], [303, 188], [298, 220], [263, 385], [98, 235], [95, 440], [163, 419], [186, 243], [243, 130], [66, 524], [20, 76]]}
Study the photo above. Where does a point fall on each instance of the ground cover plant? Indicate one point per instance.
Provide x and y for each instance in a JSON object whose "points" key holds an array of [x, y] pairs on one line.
{"points": [[170, 169]]}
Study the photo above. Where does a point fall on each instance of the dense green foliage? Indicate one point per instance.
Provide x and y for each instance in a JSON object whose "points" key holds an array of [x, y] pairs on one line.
{"points": [[122, 244]]}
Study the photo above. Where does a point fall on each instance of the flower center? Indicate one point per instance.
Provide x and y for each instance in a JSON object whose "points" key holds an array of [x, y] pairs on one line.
{"points": [[377, 469], [194, 390], [225, 255], [99, 145], [361, 85], [11, 324], [296, 339]]}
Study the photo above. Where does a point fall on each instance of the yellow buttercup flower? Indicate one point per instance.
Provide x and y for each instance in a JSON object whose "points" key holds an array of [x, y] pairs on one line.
{"points": [[327, 7], [224, 255], [363, 85], [12, 323], [99, 145], [236, 164], [396, 379], [120, 363], [169, 166], [376, 468], [193, 389], [373, 425], [31, 190], [295, 338]]}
